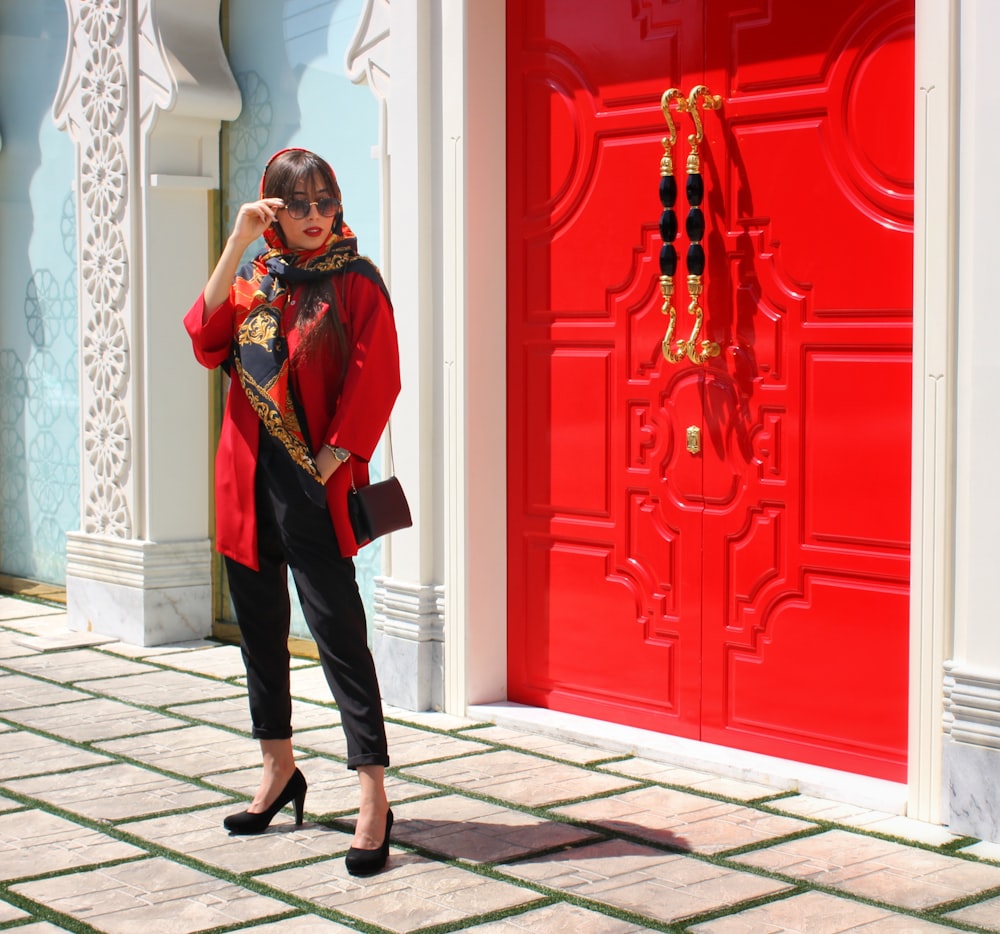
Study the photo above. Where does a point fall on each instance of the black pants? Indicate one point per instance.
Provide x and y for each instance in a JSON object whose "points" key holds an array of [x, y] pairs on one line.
{"points": [[293, 532]]}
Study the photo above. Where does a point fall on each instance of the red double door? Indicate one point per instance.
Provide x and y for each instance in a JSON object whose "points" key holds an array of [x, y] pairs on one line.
{"points": [[714, 550]]}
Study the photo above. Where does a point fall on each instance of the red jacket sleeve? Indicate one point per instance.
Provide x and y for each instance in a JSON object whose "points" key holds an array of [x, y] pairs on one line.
{"points": [[236, 454], [211, 339]]}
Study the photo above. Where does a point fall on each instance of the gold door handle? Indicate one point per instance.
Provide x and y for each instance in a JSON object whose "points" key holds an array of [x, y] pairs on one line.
{"points": [[695, 225], [668, 227]]}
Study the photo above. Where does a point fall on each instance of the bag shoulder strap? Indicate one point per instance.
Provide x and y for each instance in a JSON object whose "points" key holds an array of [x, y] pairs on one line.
{"points": [[392, 464]]}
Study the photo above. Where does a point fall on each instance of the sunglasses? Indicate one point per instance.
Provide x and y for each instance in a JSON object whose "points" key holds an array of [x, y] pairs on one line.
{"points": [[298, 208]]}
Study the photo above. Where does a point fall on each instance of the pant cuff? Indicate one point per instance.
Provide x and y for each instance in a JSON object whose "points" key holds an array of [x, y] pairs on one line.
{"points": [[263, 733], [368, 759]]}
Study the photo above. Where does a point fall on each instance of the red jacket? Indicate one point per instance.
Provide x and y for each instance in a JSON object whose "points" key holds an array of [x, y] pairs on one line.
{"points": [[355, 421]]}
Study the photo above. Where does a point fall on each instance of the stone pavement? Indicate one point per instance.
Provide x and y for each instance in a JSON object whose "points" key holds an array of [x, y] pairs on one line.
{"points": [[118, 763]]}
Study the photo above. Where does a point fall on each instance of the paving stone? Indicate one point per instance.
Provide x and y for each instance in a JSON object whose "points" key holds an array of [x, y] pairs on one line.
{"points": [[8, 804], [200, 835], [545, 745], [333, 788], [410, 893], [9, 913], [164, 688], [985, 914], [153, 651], [234, 713], [12, 644], [115, 792], [694, 779], [884, 871], [892, 825], [41, 927], [76, 665], [191, 750], [92, 719], [64, 639], [216, 661], [665, 886], [407, 744], [152, 895], [907, 924], [33, 843], [23, 754], [683, 820], [51, 631], [19, 691], [309, 683], [519, 778], [816, 913], [983, 850], [432, 719], [300, 924], [12, 609], [561, 918], [477, 831]]}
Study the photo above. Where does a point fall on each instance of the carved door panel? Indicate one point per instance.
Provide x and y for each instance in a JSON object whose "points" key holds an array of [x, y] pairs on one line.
{"points": [[717, 550]]}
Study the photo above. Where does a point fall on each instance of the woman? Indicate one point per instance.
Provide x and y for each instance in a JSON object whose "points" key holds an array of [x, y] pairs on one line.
{"points": [[306, 332]]}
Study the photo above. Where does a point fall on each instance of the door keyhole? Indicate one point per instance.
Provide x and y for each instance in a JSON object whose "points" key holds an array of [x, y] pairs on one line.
{"points": [[694, 439]]}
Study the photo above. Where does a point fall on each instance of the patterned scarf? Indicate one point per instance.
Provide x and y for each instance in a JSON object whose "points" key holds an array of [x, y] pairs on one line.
{"points": [[260, 350]]}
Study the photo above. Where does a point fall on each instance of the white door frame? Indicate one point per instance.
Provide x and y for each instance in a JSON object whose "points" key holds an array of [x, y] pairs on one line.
{"points": [[474, 312]]}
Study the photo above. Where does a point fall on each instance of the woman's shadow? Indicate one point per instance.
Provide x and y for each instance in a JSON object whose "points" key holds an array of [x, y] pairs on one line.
{"points": [[525, 836]]}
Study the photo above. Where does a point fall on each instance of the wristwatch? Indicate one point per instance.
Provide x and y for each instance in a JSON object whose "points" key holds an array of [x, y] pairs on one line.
{"points": [[340, 453]]}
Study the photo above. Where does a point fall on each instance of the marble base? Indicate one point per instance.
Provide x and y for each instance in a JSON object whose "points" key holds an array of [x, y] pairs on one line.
{"points": [[971, 791], [410, 674], [136, 616], [408, 644], [971, 751], [143, 593]]}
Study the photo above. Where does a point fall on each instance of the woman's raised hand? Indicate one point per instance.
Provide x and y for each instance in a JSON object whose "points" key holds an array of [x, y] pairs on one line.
{"points": [[253, 218]]}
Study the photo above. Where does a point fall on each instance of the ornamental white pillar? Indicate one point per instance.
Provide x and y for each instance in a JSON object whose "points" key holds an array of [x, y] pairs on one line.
{"points": [[972, 673], [408, 623], [440, 612], [933, 482], [144, 87], [474, 307]]}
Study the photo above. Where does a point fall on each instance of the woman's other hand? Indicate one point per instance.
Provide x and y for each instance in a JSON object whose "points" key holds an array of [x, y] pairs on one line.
{"points": [[326, 463]]}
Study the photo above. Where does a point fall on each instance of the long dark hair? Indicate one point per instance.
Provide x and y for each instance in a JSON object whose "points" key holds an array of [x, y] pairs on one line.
{"points": [[287, 173]]}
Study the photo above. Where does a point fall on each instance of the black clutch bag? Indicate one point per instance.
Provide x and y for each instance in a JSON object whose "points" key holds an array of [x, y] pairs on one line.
{"points": [[379, 508]]}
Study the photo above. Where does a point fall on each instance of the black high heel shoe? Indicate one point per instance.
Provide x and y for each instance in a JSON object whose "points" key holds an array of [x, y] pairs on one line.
{"points": [[247, 822], [365, 862]]}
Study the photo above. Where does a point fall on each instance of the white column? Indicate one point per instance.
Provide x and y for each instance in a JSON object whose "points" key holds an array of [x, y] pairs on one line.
{"points": [[144, 88], [393, 53], [972, 683], [474, 304], [932, 531], [440, 612]]}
